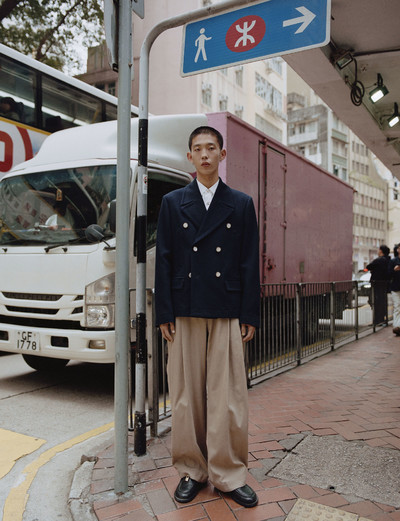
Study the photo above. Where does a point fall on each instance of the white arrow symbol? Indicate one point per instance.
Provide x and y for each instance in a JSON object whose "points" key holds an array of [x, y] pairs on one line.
{"points": [[304, 20]]}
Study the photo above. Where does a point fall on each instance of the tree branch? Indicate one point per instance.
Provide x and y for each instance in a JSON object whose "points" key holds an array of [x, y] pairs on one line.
{"points": [[46, 38]]}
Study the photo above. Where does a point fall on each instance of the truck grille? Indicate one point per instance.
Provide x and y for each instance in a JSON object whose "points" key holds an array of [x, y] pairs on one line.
{"points": [[40, 322], [41, 310], [32, 296]]}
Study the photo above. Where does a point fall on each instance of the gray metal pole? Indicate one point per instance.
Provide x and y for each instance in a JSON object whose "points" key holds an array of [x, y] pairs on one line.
{"points": [[141, 347], [122, 329]]}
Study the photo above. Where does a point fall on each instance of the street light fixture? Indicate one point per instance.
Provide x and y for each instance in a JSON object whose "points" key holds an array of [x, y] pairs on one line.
{"points": [[379, 92], [395, 117]]}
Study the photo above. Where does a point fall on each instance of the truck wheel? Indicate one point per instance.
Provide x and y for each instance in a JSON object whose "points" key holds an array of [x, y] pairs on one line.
{"points": [[42, 363]]}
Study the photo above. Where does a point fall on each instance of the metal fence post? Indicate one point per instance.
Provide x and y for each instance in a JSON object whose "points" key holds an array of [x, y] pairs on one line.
{"points": [[153, 365], [332, 315], [356, 314], [298, 323], [373, 306]]}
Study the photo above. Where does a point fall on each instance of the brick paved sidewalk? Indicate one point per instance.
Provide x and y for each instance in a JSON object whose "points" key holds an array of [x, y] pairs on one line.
{"points": [[350, 395]]}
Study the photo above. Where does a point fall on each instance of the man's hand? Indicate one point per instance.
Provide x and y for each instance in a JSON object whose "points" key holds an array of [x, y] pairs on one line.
{"points": [[247, 332], [167, 331]]}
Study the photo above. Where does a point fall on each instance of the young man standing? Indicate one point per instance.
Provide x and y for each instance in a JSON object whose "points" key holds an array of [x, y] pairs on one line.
{"points": [[207, 305]]}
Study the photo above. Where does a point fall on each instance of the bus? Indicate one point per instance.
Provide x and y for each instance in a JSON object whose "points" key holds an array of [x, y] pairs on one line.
{"points": [[37, 100]]}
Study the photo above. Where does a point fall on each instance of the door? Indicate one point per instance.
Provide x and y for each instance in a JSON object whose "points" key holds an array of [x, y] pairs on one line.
{"points": [[273, 216]]}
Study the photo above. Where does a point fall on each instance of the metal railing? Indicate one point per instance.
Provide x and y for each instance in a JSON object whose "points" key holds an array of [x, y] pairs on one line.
{"points": [[298, 323]]}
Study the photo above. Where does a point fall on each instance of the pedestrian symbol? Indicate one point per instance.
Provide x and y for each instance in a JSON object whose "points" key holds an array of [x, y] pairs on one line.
{"points": [[258, 31], [200, 44]]}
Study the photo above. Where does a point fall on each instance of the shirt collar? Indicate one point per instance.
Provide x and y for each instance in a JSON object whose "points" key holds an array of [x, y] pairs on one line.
{"points": [[203, 189]]}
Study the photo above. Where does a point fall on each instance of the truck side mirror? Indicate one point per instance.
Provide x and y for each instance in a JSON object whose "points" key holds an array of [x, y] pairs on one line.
{"points": [[112, 216], [94, 233]]}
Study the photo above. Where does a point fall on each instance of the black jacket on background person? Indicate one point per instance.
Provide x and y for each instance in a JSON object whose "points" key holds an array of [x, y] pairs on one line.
{"points": [[394, 276], [379, 268]]}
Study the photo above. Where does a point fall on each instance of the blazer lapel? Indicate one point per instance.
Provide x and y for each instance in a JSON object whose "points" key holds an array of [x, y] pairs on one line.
{"points": [[192, 205], [220, 209]]}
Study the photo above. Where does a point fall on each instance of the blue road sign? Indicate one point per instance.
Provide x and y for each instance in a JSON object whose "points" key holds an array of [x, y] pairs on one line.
{"points": [[261, 30]]}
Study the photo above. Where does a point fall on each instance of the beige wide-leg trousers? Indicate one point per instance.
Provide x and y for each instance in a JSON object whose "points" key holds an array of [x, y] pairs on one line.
{"points": [[208, 392]]}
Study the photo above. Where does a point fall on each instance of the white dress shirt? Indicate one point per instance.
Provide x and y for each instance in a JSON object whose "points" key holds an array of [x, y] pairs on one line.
{"points": [[207, 193]]}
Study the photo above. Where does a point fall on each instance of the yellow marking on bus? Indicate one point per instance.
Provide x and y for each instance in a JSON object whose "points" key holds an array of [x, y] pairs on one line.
{"points": [[14, 446], [22, 125], [14, 506]]}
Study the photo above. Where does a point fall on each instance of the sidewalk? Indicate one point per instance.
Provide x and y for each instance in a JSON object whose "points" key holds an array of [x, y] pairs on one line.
{"points": [[324, 444]]}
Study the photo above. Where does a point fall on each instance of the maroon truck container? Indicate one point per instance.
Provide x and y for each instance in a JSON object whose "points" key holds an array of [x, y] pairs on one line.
{"points": [[305, 214]]}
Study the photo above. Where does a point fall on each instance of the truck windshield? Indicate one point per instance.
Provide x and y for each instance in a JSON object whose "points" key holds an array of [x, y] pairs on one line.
{"points": [[55, 206]]}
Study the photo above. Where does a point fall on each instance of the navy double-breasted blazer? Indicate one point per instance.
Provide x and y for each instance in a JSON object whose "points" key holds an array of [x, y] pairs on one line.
{"points": [[207, 261]]}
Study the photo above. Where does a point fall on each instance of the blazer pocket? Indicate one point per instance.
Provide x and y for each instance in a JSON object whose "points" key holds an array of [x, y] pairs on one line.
{"points": [[178, 282], [232, 285]]}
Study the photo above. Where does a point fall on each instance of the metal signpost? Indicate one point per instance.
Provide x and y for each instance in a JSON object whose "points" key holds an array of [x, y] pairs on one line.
{"points": [[262, 30], [118, 26]]}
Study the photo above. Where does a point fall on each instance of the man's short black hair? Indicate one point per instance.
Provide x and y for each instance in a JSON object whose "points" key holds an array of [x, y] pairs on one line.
{"points": [[384, 249], [206, 130]]}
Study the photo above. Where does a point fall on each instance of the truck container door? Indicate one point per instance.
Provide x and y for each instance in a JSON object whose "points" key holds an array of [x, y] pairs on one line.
{"points": [[273, 216]]}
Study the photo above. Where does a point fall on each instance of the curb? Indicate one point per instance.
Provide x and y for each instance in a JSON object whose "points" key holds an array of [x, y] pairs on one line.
{"points": [[78, 500]]}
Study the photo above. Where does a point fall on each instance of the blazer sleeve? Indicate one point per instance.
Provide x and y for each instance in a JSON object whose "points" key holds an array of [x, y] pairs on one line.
{"points": [[163, 297], [249, 269]]}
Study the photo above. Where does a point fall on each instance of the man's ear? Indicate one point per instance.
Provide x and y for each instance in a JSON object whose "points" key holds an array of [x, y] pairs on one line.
{"points": [[190, 157], [222, 155]]}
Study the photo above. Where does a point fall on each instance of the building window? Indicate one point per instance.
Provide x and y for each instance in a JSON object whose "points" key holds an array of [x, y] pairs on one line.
{"points": [[313, 149], [239, 76], [239, 111], [268, 93], [111, 88], [223, 103], [206, 94], [274, 64]]}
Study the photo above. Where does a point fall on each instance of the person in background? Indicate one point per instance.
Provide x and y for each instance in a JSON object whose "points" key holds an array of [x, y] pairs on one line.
{"points": [[379, 279], [8, 109], [207, 304], [394, 275]]}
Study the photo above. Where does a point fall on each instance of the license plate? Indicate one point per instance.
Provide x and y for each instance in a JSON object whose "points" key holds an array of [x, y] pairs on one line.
{"points": [[28, 341]]}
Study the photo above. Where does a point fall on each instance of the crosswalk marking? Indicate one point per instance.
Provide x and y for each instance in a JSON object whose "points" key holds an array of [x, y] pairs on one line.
{"points": [[14, 506], [14, 446]]}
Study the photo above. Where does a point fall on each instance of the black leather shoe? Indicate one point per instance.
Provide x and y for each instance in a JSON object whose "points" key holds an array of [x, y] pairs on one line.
{"points": [[187, 490], [245, 496]]}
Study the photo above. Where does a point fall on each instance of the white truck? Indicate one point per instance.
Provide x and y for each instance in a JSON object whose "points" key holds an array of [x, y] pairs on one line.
{"points": [[57, 289]]}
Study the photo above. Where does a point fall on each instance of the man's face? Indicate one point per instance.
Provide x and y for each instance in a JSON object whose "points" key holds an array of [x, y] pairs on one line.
{"points": [[206, 154]]}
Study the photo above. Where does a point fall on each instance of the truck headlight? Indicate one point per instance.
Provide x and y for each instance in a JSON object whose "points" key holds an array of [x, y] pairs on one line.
{"points": [[100, 303]]}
